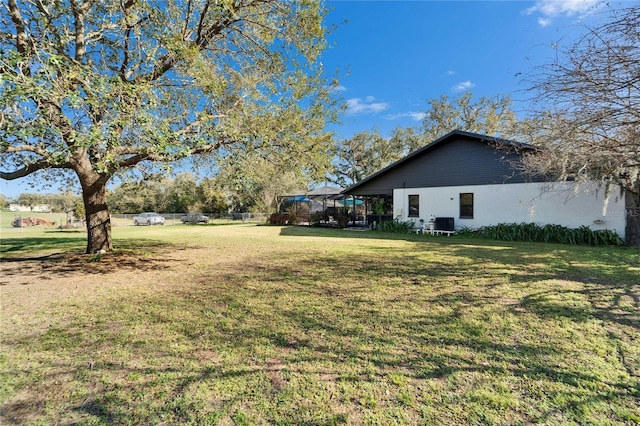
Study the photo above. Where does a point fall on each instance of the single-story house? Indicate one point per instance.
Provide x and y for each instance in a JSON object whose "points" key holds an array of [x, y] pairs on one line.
{"points": [[471, 180], [25, 208]]}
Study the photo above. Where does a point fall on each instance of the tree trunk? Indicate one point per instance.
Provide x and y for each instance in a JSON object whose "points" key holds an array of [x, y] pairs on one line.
{"points": [[632, 230], [97, 217]]}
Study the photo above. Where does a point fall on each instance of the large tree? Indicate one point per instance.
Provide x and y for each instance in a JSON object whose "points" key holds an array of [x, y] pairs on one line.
{"points": [[408, 138], [590, 97], [365, 153], [182, 194], [488, 116], [92, 89], [254, 180]]}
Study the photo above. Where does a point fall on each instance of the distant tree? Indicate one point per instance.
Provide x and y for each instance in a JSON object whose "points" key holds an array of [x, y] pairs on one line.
{"points": [[78, 209], [4, 201], [94, 89], [159, 191], [590, 99], [30, 199], [177, 195], [255, 180], [211, 198], [273, 182], [136, 197], [493, 117], [364, 154], [61, 202], [182, 194], [409, 138]]}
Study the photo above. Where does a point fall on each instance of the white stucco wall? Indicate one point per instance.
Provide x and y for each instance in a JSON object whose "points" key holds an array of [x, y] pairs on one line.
{"points": [[560, 203]]}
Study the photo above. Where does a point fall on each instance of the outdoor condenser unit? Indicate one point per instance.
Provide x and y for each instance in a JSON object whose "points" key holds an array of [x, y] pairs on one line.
{"points": [[445, 223]]}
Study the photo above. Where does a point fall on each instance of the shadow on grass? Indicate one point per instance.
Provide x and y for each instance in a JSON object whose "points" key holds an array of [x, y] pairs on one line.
{"points": [[23, 257], [34, 244], [601, 302], [312, 231], [352, 322], [336, 335], [414, 342], [216, 224], [601, 268]]}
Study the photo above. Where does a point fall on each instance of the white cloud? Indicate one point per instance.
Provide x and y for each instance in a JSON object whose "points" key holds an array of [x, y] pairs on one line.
{"points": [[544, 22], [554, 8], [335, 88], [368, 106], [462, 86], [414, 115], [451, 73]]}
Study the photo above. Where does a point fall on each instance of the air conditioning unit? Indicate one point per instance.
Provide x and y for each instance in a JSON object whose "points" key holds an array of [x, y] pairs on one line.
{"points": [[445, 224]]}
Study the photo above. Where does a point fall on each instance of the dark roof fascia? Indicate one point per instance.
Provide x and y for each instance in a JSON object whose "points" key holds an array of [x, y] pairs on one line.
{"points": [[518, 146]]}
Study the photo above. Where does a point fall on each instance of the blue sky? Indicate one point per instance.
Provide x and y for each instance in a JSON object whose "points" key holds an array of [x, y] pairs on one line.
{"points": [[393, 56]]}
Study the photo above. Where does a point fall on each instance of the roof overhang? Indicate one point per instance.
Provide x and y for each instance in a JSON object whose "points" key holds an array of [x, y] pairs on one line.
{"points": [[356, 189]]}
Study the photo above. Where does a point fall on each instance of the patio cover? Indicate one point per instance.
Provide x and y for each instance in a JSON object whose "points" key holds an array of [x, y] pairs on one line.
{"points": [[320, 196], [326, 192], [298, 199]]}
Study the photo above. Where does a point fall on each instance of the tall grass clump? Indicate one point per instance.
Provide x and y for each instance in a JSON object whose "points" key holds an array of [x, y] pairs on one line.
{"points": [[551, 234], [395, 226]]}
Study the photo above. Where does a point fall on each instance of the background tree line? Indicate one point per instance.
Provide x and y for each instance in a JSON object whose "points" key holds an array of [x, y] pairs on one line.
{"points": [[179, 195], [585, 118], [367, 152]]}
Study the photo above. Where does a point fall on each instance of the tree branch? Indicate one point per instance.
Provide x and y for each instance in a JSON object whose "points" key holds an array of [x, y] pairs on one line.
{"points": [[202, 18], [23, 148], [78, 13], [127, 37], [202, 39], [22, 40], [31, 168]]}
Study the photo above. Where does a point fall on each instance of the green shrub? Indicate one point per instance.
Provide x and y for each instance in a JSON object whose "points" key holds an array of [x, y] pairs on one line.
{"points": [[551, 234], [317, 218], [396, 226], [279, 218], [293, 218], [468, 232], [342, 219]]}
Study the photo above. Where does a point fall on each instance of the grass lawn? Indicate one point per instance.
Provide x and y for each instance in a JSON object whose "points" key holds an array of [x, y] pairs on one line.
{"points": [[245, 324]]}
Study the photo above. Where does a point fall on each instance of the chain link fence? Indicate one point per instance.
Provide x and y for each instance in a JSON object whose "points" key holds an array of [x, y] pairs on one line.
{"points": [[175, 218]]}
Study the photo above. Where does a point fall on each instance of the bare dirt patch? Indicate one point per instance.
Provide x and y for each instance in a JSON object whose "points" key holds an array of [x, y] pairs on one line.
{"points": [[28, 269]]}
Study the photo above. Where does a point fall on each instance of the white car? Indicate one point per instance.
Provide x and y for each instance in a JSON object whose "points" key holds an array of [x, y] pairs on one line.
{"points": [[148, 218]]}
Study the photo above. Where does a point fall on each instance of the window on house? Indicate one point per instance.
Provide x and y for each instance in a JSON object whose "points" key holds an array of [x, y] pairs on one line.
{"points": [[414, 205], [466, 205]]}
